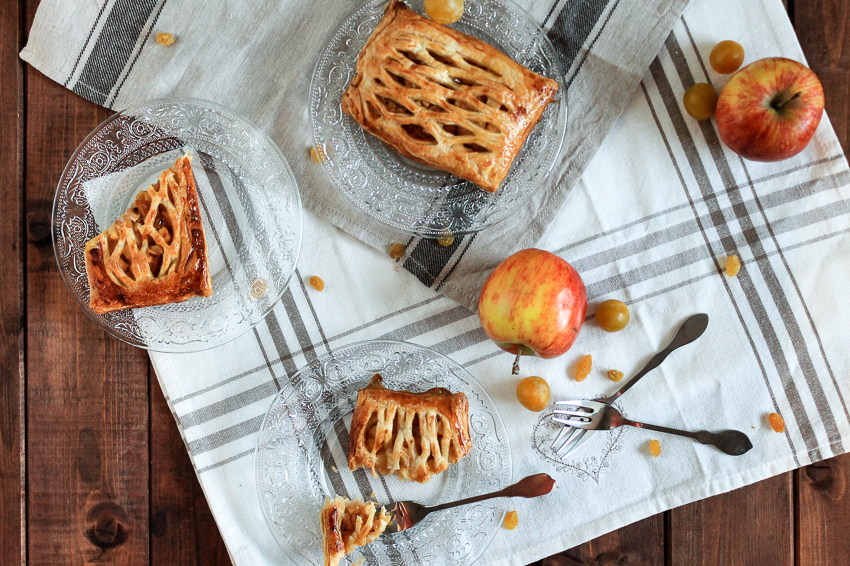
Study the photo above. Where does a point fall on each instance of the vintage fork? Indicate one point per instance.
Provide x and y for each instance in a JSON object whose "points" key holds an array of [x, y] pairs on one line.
{"points": [[405, 514], [593, 415], [570, 438]]}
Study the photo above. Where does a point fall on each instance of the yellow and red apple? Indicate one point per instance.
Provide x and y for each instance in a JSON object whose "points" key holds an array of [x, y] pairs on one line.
{"points": [[533, 303], [770, 109]]}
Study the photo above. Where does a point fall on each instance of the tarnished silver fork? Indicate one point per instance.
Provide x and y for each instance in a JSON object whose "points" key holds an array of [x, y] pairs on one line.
{"points": [[570, 438], [405, 514], [593, 415]]}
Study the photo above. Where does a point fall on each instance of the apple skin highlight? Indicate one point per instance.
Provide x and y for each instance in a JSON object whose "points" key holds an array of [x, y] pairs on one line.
{"points": [[533, 300], [770, 109]]}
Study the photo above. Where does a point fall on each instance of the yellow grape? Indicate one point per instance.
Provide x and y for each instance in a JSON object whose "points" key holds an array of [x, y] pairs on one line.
{"points": [[726, 57], [444, 11]]}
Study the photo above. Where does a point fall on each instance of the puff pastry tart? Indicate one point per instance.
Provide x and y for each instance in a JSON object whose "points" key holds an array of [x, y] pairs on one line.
{"points": [[156, 253], [444, 98], [412, 435], [348, 524]]}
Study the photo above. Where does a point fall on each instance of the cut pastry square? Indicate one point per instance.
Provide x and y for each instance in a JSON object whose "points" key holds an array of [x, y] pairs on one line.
{"points": [[348, 524], [444, 98], [156, 253], [412, 435]]}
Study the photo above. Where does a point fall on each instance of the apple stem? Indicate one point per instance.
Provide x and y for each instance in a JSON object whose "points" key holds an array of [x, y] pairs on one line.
{"points": [[515, 368], [782, 103]]}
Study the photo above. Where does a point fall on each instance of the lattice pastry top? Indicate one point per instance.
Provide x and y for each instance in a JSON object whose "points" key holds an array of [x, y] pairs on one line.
{"points": [[412, 435], [444, 98], [348, 524], [156, 253]]}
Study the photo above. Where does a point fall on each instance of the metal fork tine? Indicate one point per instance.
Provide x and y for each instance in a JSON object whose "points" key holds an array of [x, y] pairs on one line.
{"points": [[565, 431], [569, 434], [567, 446], [580, 414], [574, 424]]}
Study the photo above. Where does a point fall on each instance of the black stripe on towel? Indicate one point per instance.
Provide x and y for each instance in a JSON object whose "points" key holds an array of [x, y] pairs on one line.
{"points": [[113, 47]]}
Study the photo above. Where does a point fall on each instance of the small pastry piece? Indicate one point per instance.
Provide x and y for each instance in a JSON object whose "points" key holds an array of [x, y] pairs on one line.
{"points": [[444, 98], [348, 524], [156, 253], [412, 435]]}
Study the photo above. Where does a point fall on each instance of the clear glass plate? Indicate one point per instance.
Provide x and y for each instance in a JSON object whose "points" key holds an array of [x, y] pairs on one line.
{"points": [[410, 197], [302, 459], [251, 215]]}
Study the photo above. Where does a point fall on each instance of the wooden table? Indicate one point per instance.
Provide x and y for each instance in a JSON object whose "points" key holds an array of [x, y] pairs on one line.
{"points": [[92, 468]]}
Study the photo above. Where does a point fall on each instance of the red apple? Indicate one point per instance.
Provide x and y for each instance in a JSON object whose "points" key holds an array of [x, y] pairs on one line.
{"points": [[533, 304], [770, 109]]}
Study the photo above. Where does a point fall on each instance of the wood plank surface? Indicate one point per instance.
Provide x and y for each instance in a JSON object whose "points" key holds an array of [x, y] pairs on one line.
{"points": [[823, 513], [822, 501], [108, 477], [183, 531], [823, 28], [12, 475], [87, 393], [638, 544], [750, 526]]}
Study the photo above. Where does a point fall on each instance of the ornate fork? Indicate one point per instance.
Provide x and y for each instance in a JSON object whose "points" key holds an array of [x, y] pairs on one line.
{"points": [[605, 417], [407, 513], [570, 438]]}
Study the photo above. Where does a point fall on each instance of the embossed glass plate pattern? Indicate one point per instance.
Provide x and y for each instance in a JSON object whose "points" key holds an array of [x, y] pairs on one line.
{"points": [[410, 197], [251, 214], [302, 459]]}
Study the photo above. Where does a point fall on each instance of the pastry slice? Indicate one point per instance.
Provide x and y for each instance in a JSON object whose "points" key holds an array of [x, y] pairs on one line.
{"points": [[348, 524], [412, 435], [444, 98], [156, 253]]}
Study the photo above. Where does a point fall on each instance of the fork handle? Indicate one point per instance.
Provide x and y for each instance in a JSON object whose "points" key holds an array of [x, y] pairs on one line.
{"points": [[531, 486], [690, 330], [653, 363], [732, 442], [695, 435]]}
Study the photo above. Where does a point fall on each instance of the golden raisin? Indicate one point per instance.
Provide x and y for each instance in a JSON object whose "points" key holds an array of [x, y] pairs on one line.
{"points": [[317, 283], [615, 375], [259, 288], [164, 38], [446, 240], [397, 251], [318, 154], [777, 422], [511, 520], [733, 265], [655, 448], [583, 368]]}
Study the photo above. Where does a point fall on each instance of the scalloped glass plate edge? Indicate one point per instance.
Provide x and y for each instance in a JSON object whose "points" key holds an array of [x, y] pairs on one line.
{"points": [[289, 389], [462, 215], [56, 230]]}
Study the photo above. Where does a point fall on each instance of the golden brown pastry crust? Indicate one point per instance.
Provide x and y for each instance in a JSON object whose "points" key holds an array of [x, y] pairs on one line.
{"points": [[156, 253], [412, 435], [444, 98], [348, 524]]}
